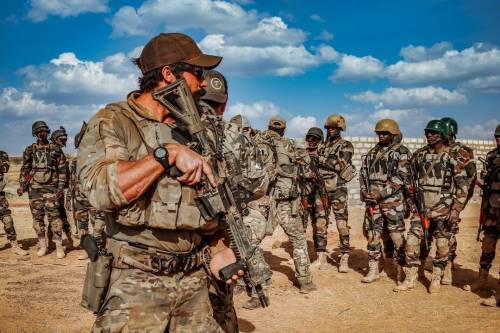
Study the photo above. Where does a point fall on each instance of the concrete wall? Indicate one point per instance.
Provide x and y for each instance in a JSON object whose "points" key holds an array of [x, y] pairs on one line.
{"points": [[363, 144]]}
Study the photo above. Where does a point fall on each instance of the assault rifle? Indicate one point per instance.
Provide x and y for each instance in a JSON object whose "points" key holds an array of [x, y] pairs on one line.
{"points": [[320, 187], [484, 199], [229, 199], [370, 208], [417, 195]]}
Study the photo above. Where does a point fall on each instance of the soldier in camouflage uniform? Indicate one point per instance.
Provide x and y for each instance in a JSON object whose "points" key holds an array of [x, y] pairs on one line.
{"points": [[335, 162], [43, 176], [383, 180], [5, 213], [442, 186], [152, 220], [285, 198], [315, 198], [490, 220], [465, 157], [60, 137]]}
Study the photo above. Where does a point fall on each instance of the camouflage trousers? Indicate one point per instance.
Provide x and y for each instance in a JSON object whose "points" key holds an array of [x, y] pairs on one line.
{"points": [[316, 210], [84, 213], [139, 301], [416, 249], [491, 233], [221, 299], [286, 212], [44, 201], [387, 226], [6, 217], [338, 202], [66, 227]]}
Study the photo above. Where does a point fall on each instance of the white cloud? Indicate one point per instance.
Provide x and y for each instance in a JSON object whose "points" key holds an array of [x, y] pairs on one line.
{"points": [[67, 77], [325, 35], [317, 18], [41, 9], [278, 60], [486, 84], [258, 113], [452, 67], [484, 130], [356, 68], [298, 126], [411, 98], [421, 53]]}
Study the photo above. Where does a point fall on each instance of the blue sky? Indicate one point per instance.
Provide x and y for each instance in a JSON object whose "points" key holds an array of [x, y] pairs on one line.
{"points": [[410, 60]]}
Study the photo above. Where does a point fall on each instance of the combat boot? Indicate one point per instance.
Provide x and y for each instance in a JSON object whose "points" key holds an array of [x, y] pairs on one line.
{"points": [[344, 263], [15, 248], [321, 262], [252, 303], [482, 280], [42, 247], [410, 279], [437, 274], [493, 300], [70, 244], [373, 272], [447, 275], [59, 249], [306, 285]]}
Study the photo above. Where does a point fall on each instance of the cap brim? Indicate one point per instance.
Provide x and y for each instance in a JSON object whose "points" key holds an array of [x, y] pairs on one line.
{"points": [[219, 98], [205, 61]]}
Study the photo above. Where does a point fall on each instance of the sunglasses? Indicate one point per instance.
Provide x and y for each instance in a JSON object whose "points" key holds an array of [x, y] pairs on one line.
{"points": [[183, 67]]}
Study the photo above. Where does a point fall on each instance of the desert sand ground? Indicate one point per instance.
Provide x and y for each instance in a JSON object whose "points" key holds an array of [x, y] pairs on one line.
{"points": [[43, 294]]}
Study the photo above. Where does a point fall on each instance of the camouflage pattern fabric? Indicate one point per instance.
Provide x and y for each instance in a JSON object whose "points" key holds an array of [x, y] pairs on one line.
{"points": [[334, 157], [491, 225], [221, 300], [44, 172], [139, 301], [387, 173], [5, 213], [317, 212], [445, 188]]}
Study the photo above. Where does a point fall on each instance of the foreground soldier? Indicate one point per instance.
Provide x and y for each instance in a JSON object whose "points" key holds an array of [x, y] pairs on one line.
{"points": [[384, 177], [5, 213], [59, 137], [285, 199], [465, 158], [315, 198], [490, 213], [43, 176], [156, 235], [335, 158], [441, 191]]}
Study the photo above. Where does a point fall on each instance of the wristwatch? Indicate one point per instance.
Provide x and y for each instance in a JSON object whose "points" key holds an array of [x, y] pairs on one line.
{"points": [[161, 156]]}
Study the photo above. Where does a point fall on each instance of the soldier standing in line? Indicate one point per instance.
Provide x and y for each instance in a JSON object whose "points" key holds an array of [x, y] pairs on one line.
{"points": [[159, 240], [465, 158], [60, 137], [490, 220], [335, 162], [5, 213], [315, 198], [285, 198], [383, 179], [43, 176], [440, 192]]}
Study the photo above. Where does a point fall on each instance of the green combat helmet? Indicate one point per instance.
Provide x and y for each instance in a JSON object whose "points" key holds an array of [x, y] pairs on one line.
{"points": [[58, 133], [451, 124], [240, 121], [497, 130], [335, 120], [277, 123], [39, 126], [438, 126], [387, 125], [316, 132]]}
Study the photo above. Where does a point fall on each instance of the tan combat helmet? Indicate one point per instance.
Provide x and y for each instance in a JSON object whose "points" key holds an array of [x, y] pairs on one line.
{"points": [[240, 121], [335, 120], [387, 125], [277, 123]]}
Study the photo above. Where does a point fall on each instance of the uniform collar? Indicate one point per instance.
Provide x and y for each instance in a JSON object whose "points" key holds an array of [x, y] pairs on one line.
{"points": [[140, 109]]}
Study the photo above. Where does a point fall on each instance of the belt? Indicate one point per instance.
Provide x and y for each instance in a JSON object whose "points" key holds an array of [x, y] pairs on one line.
{"points": [[126, 255]]}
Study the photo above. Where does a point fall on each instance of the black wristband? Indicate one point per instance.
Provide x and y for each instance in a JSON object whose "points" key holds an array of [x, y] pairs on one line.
{"points": [[161, 156]]}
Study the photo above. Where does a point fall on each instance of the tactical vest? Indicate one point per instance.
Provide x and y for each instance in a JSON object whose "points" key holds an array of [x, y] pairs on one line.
{"points": [[167, 204], [494, 178], [382, 163], [43, 163], [285, 184], [332, 178], [435, 176]]}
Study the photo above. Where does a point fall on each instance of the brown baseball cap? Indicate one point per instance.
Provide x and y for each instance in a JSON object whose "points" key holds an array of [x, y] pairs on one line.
{"points": [[216, 89], [169, 48]]}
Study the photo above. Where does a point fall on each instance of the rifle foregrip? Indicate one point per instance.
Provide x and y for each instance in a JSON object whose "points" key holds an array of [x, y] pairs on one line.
{"points": [[226, 273]]}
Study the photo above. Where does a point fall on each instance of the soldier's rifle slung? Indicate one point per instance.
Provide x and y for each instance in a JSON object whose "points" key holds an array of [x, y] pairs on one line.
{"points": [[485, 190], [417, 195], [365, 178], [229, 199]]}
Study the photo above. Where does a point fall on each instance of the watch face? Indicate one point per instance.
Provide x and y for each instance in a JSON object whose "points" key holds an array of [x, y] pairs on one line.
{"points": [[160, 152]]}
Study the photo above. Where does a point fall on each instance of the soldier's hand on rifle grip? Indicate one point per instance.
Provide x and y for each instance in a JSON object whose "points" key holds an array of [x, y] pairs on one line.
{"points": [[190, 163], [221, 259]]}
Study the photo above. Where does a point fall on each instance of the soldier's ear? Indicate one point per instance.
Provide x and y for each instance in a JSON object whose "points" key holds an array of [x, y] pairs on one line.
{"points": [[167, 75]]}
